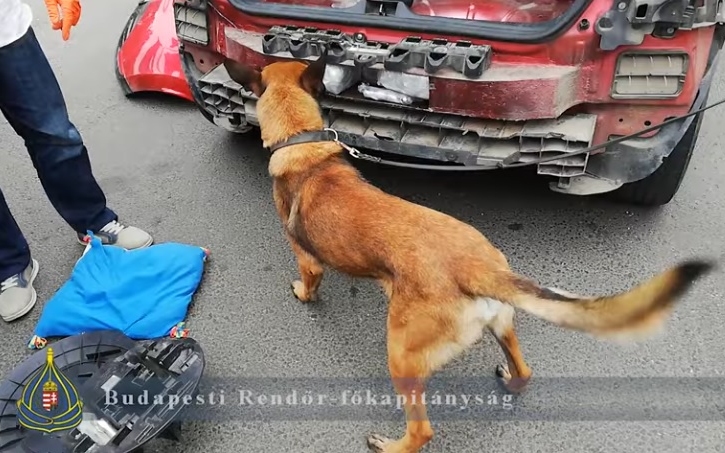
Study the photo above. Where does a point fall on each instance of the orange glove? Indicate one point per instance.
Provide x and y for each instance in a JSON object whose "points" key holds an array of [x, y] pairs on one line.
{"points": [[71, 14]]}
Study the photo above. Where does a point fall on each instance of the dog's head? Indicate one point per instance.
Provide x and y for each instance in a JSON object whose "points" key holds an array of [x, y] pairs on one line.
{"points": [[287, 92]]}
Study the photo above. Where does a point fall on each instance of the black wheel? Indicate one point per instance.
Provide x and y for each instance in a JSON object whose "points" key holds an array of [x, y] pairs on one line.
{"points": [[661, 186]]}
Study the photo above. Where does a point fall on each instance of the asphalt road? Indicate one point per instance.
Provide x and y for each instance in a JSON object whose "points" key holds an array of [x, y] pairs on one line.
{"points": [[167, 170]]}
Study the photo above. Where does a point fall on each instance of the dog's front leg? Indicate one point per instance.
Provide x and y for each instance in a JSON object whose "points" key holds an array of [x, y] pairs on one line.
{"points": [[305, 289]]}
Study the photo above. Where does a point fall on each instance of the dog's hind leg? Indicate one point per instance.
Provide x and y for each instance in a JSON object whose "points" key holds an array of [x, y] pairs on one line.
{"points": [[408, 372], [417, 347], [311, 272], [517, 373]]}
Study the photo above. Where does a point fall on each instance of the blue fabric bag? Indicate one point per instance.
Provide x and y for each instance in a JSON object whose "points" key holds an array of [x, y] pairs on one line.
{"points": [[143, 293]]}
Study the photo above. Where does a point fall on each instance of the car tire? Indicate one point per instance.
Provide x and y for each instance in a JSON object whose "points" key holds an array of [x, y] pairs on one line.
{"points": [[660, 187]]}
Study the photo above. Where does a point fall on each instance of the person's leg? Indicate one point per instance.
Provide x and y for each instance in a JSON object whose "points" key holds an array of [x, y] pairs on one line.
{"points": [[17, 269], [32, 102]]}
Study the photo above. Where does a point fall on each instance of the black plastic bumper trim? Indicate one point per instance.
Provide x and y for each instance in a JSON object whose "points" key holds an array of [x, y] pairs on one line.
{"points": [[635, 159]]}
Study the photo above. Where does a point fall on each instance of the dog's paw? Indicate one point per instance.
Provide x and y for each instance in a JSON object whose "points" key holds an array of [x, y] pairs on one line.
{"points": [[300, 292], [379, 444], [513, 385]]}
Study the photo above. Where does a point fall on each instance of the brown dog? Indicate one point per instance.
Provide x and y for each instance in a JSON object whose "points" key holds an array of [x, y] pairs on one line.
{"points": [[446, 283]]}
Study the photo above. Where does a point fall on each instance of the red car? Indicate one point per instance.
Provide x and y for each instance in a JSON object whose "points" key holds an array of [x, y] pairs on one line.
{"points": [[475, 83]]}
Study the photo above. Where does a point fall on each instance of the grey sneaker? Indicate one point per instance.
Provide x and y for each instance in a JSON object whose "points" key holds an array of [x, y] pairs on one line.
{"points": [[126, 237], [17, 295]]}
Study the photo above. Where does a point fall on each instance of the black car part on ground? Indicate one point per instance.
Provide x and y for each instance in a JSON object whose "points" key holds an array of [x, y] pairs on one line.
{"points": [[626, 23], [163, 368], [87, 360]]}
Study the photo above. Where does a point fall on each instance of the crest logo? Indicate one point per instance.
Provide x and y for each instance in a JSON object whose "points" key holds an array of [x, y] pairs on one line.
{"points": [[50, 401]]}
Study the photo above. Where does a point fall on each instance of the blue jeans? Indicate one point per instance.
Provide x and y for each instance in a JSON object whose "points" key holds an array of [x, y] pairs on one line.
{"points": [[33, 104]]}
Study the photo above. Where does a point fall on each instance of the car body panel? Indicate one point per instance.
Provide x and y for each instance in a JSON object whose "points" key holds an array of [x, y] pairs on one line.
{"points": [[147, 56]]}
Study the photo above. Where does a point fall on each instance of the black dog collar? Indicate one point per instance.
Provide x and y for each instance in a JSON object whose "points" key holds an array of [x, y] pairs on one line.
{"points": [[326, 135]]}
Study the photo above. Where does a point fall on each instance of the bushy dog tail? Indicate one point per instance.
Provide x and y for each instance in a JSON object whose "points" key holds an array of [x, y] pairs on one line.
{"points": [[635, 313]]}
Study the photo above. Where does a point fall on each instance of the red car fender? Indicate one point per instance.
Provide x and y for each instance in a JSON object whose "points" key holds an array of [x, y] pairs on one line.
{"points": [[147, 55]]}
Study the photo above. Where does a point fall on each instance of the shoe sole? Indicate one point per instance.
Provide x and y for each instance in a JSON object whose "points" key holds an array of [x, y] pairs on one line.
{"points": [[29, 306], [147, 244]]}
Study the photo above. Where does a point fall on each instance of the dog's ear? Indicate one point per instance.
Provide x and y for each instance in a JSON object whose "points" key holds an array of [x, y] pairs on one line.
{"points": [[247, 76], [311, 79]]}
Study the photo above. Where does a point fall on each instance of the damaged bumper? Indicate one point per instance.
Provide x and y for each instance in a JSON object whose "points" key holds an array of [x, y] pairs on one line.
{"points": [[446, 138], [422, 131]]}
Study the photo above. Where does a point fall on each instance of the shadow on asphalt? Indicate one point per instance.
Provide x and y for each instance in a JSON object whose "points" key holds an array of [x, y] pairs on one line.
{"points": [[156, 99]]}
